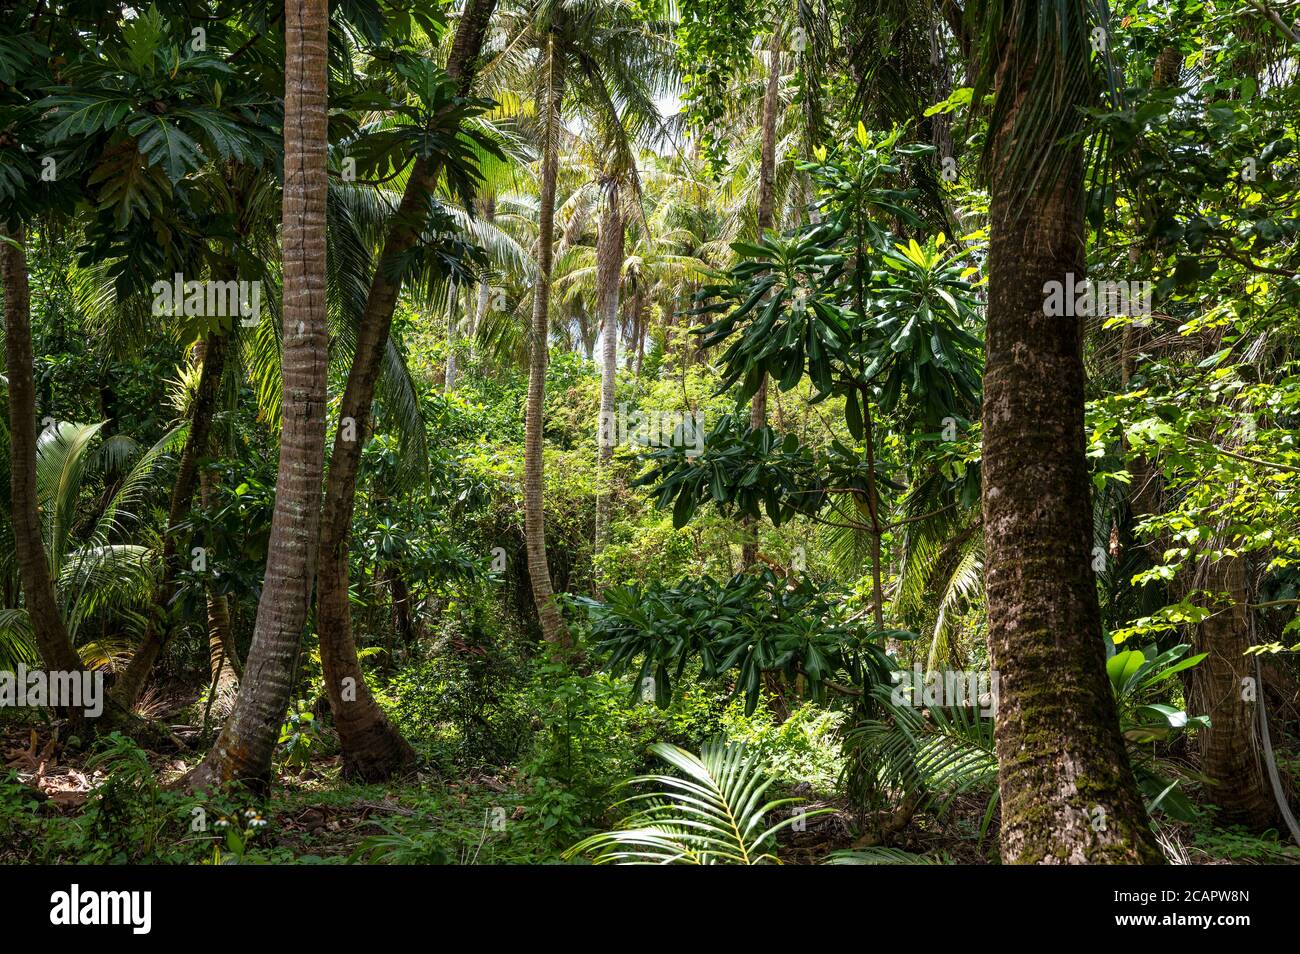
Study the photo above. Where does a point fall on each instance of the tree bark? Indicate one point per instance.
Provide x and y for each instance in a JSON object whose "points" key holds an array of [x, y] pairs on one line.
{"points": [[1230, 746], [244, 749], [1068, 793], [1223, 687], [400, 594], [609, 262], [373, 749], [539, 574], [642, 305], [52, 640]]}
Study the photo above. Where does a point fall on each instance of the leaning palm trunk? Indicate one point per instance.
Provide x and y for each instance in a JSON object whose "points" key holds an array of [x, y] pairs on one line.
{"points": [[373, 749], [127, 689], [247, 742], [609, 260], [51, 633], [539, 574], [1067, 790]]}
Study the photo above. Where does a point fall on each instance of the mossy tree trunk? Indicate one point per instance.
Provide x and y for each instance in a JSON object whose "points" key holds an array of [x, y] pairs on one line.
{"points": [[1068, 792]]}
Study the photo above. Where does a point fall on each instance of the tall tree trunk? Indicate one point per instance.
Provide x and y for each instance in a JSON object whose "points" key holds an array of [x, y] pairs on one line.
{"points": [[489, 209], [1222, 686], [41, 601], [127, 689], [244, 749], [400, 593], [1230, 746], [633, 336], [609, 262], [767, 156], [1068, 793], [766, 215], [373, 749], [872, 507], [539, 574], [219, 625]]}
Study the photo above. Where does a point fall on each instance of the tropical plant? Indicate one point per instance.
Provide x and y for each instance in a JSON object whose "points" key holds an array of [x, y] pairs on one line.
{"points": [[606, 60], [713, 813], [245, 748], [753, 624], [98, 574]]}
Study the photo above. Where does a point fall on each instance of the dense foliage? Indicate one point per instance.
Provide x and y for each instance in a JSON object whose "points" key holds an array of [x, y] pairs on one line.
{"points": [[659, 355]]}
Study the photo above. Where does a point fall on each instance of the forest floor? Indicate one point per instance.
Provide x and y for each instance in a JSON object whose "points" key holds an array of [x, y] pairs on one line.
{"points": [[312, 816]]}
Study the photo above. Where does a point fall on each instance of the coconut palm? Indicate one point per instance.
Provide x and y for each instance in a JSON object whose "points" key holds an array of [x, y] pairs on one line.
{"points": [[244, 749], [604, 62], [372, 747], [637, 259]]}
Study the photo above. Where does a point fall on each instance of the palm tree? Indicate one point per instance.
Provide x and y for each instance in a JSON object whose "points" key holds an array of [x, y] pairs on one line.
{"points": [[1068, 791], [603, 58], [97, 575], [244, 749], [127, 689], [372, 748], [636, 257], [38, 586], [609, 261]]}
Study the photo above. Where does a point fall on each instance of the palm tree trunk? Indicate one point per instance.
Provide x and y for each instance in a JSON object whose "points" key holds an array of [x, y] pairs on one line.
{"points": [[539, 574], [489, 208], [1068, 793], [633, 336], [127, 689], [245, 747], [400, 595], [609, 261], [219, 626], [373, 749], [767, 157], [52, 640]]}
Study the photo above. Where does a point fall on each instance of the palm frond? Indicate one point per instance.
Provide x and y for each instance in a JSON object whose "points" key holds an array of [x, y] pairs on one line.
{"points": [[881, 855], [713, 813]]}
